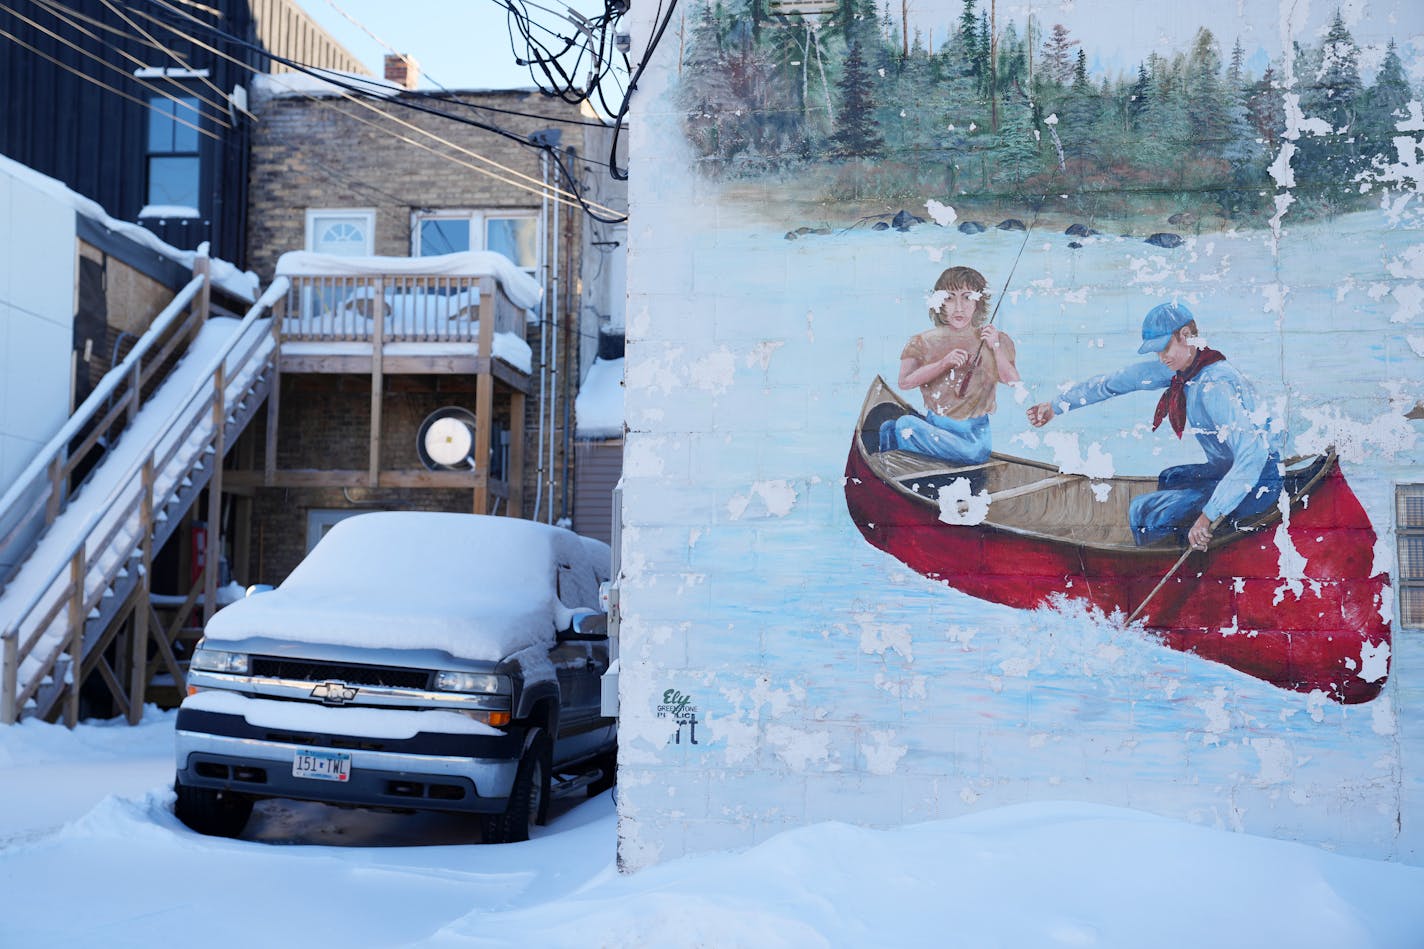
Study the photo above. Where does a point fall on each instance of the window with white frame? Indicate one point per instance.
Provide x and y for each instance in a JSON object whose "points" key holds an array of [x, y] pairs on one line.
{"points": [[345, 232], [515, 234], [1409, 529]]}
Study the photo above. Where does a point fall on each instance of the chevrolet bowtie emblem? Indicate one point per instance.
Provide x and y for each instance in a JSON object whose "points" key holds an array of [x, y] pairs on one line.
{"points": [[334, 693]]}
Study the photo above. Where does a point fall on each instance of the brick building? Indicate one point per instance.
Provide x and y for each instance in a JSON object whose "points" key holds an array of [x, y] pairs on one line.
{"points": [[369, 177]]}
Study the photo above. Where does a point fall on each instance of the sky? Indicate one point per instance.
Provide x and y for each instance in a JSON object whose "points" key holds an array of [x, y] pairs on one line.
{"points": [[93, 808], [459, 44]]}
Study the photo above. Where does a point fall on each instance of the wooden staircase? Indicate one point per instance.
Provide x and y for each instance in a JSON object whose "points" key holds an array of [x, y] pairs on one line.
{"points": [[76, 554]]}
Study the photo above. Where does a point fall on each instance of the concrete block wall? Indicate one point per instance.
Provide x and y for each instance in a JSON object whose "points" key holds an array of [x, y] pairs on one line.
{"points": [[778, 670]]}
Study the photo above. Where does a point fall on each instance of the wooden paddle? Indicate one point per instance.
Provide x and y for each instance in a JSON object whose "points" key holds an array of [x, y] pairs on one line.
{"points": [[1171, 573]]}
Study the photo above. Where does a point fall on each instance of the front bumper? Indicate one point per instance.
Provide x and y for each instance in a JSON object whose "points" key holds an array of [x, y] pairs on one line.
{"points": [[428, 771]]}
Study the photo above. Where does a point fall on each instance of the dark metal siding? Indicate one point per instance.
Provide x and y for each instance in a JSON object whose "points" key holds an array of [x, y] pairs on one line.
{"points": [[94, 140]]}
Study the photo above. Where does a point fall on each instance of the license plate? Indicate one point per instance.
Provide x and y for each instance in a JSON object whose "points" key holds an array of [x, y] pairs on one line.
{"points": [[321, 764]]}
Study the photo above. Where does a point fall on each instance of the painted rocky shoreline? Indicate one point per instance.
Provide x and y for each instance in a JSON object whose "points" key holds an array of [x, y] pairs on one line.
{"points": [[903, 221]]}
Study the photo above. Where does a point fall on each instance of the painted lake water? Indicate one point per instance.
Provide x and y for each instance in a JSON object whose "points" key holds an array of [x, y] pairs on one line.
{"points": [[809, 652]]}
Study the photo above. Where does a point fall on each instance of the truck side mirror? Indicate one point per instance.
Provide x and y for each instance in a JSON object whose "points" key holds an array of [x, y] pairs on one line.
{"points": [[586, 625]]}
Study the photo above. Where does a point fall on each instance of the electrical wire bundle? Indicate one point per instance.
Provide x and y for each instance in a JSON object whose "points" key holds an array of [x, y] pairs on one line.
{"points": [[179, 24], [556, 59]]}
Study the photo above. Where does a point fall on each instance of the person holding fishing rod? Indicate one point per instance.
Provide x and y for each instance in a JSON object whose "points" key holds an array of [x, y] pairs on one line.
{"points": [[957, 365], [1241, 478]]}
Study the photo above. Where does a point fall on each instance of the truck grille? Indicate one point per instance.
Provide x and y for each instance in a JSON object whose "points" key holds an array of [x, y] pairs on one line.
{"points": [[305, 670]]}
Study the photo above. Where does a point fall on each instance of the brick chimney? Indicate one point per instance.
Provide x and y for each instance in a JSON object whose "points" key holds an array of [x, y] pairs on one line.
{"points": [[402, 70]]}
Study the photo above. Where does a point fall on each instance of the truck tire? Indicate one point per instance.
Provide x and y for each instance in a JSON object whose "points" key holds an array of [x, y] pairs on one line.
{"points": [[210, 812], [529, 799]]}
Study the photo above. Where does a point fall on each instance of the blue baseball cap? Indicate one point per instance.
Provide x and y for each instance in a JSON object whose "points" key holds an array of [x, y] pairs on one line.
{"points": [[1160, 323]]}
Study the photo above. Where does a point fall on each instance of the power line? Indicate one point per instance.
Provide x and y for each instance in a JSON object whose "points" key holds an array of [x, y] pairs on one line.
{"points": [[347, 87], [364, 29], [104, 85], [179, 59], [108, 65], [534, 186], [622, 113]]}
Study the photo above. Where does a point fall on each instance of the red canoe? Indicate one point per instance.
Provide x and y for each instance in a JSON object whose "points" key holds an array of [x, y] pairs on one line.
{"points": [[1047, 534]]}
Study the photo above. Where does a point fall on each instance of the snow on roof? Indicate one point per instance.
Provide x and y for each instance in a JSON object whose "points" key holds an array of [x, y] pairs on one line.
{"points": [[304, 85], [598, 409], [474, 586], [239, 284], [522, 289]]}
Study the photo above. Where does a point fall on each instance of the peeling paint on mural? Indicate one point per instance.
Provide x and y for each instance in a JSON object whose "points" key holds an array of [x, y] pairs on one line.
{"points": [[1307, 134], [937, 247]]}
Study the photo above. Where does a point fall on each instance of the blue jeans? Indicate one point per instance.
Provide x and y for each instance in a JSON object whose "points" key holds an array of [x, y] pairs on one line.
{"points": [[959, 442], [1183, 491]]}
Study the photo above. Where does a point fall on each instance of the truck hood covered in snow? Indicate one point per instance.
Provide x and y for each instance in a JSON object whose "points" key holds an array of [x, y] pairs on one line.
{"points": [[476, 587]]}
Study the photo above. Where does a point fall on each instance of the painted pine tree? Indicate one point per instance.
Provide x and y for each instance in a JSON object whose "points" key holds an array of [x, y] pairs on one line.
{"points": [[856, 133]]}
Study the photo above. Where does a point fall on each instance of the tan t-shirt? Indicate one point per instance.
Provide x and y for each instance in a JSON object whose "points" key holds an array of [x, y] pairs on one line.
{"points": [[941, 394]]}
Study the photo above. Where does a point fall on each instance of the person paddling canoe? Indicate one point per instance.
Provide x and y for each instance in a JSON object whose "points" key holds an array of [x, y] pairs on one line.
{"points": [[1242, 476]]}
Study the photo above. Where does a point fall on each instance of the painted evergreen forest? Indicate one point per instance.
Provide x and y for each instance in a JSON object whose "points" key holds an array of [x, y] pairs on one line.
{"points": [[842, 101]]}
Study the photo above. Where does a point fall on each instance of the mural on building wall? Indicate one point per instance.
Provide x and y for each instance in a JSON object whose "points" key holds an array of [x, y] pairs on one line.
{"points": [[1256, 552]]}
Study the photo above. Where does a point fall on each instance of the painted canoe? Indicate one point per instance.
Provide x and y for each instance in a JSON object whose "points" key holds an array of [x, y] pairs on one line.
{"points": [[1292, 601]]}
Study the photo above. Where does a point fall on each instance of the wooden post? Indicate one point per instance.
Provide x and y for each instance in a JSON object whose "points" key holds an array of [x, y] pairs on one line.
{"points": [[514, 474], [203, 267], [55, 503], [138, 656], [378, 319], [484, 391], [76, 637], [274, 393], [137, 383], [210, 567], [242, 513], [9, 714]]}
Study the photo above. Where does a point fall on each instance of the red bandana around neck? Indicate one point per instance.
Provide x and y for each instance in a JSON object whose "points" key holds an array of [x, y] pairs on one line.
{"points": [[1173, 404]]}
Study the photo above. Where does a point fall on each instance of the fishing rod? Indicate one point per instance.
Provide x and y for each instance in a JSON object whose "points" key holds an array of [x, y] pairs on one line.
{"points": [[979, 353]]}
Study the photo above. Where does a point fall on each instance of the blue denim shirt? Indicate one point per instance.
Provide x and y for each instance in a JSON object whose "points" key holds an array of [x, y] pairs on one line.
{"points": [[1221, 413]]}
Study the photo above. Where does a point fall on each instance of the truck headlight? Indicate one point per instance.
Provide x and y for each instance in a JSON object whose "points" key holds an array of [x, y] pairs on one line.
{"points": [[478, 682], [219, 660]]}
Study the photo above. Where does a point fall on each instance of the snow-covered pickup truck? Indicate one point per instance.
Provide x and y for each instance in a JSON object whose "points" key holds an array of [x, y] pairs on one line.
{"points": [[412, 661]]}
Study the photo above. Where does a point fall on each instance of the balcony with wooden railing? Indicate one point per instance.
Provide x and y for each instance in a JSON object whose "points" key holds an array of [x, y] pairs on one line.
{"points": [[389, 316]]}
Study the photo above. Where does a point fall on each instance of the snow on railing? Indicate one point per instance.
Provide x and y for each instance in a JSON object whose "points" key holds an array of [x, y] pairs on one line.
{"points": [[85, 562], [38, 495]]}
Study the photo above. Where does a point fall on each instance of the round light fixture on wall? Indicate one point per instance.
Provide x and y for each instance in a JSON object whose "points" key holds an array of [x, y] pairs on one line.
{"points": [[446, 440]]}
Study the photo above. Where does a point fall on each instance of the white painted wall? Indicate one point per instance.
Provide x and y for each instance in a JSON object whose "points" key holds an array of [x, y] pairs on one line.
{"points": [[37, 287], [828, 681]]}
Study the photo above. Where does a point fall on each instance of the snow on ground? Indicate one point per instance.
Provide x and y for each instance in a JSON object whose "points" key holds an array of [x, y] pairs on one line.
{"points": [[90, 854]]}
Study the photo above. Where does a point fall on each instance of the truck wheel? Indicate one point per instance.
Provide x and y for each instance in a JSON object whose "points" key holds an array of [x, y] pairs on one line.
{"points": [[607, 764], [529, 800], [215, 813]]}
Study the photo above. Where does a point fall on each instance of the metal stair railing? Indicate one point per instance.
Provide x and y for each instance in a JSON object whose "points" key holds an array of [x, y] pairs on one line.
{"points": [[61, 621]]}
